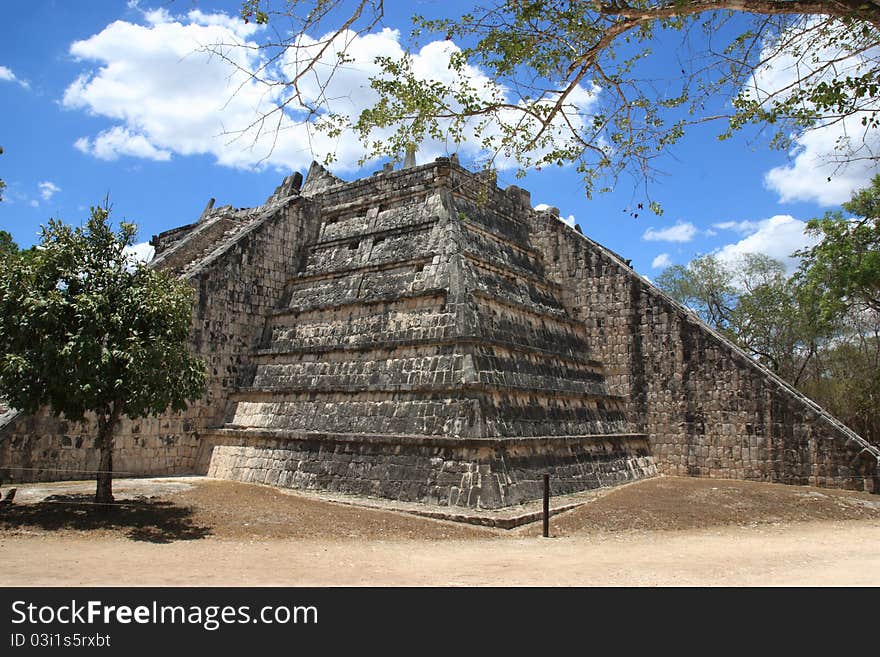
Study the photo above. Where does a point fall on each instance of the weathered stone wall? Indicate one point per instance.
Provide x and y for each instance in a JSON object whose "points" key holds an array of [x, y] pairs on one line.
{"points": [[708, 409], [235, 286], [475, 473], [167, 239]]}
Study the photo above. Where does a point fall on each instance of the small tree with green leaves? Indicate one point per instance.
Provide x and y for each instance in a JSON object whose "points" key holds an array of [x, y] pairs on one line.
{"points": [[843, 270], [706, 286], [86, 330], [754, 304]]}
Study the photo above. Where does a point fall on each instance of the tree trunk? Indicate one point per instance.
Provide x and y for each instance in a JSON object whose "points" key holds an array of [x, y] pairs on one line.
{"points": [[106, 425]]}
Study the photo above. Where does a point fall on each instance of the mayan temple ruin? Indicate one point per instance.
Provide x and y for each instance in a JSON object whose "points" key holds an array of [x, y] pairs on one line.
{"points": [[422, 335]]}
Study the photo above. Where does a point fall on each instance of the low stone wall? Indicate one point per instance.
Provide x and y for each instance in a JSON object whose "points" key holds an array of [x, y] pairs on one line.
{"points": [[44, 448], [476, 473]]}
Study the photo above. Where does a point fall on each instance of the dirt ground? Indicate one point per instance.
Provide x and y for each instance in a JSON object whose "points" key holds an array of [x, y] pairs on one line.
{"points": [[663, 531]]}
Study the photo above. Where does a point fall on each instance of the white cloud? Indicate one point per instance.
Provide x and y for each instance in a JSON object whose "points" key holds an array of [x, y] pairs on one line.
{"points": [[778, 237], [48, 189], [815, 175], [115, 142], [661, 261], [167, 95], [831, 161], [737, 226], [682, 231], [34, 203], [231, 23], [141, 252], [157, 16], [7, 75]]}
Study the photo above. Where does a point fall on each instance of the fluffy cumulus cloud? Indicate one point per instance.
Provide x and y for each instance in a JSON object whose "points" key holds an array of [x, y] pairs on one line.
{"points": [[48, 189], [168, 94], [662, 261], [816, 174], [831, 161], [778, 237], [682, 231], [118, 141]]}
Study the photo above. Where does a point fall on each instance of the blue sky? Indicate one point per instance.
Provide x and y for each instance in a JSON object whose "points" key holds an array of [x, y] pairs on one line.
{"points": [[112, 98]]}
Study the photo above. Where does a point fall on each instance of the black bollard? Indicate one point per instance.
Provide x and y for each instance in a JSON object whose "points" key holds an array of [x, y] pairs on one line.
{"points": [[546, 506]]}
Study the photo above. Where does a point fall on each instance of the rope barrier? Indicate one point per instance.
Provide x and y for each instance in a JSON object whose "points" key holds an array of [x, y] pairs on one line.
{"points": [[113, 472], [75, 503]]}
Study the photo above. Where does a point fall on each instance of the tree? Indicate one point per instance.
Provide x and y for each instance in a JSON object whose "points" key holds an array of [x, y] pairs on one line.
{"points": [[843, 270], [86, 331], [706, 286], [755, 305], [844, 377], [771, 323], [8, 247], [547, 58]]}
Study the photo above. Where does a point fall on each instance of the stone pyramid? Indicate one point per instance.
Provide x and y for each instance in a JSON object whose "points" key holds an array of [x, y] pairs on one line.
{"points": [[423, 335], [421, 327]]}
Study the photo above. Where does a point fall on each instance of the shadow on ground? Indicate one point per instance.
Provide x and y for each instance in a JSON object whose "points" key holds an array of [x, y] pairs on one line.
{"points": [[140, 519]]}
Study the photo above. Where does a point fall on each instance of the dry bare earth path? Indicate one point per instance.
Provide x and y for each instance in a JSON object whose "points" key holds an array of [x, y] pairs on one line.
{"points": [[665, 531]]}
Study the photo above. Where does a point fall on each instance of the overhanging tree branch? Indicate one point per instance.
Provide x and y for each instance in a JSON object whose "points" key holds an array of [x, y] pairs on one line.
{"points": [[540, 53]]}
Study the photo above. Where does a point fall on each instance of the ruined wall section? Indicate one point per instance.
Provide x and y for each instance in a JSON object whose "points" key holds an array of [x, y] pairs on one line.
{"points": [[169, 238], [236, 285], [708, 409], [211, 233]]}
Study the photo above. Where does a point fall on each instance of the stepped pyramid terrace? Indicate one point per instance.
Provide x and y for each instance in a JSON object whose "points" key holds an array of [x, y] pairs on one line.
{"points": [[422, 335]]}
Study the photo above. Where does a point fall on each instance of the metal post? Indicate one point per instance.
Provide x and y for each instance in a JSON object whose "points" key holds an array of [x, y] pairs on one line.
{"points": [[546, 506]]}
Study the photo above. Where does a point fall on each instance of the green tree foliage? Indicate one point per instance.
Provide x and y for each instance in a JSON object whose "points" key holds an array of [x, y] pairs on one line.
{"points": [[770, 321], [544, 55], [754, 304], [839, 280], [706, 286], [843, 270], [844, 376], [87, 332], [8, 247]]}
